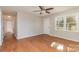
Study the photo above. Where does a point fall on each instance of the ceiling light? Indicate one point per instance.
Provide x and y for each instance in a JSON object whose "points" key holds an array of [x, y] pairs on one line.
{"points": [[8, 16]]}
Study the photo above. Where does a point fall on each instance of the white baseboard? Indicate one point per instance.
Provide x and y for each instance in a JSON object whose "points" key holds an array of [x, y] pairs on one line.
{"points": [[21, 37], [64, 38]]}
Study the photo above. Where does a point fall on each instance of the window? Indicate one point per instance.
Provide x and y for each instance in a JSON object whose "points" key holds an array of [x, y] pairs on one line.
{"points": [[60, 23], [71, 24], [67, 23]]}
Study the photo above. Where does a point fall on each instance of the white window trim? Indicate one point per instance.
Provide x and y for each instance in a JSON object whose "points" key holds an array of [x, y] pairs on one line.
{"points": [[77, 21]]}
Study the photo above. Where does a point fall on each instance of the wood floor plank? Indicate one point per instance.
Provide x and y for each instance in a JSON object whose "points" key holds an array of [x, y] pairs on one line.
{"points": [[39, 43]]}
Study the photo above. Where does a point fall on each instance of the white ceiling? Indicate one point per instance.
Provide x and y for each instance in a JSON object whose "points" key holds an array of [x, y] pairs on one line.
{"points": [[30, 9]]}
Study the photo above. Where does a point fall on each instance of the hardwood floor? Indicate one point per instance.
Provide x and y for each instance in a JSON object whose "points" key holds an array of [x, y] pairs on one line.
{"points": [[9, 43], [39, 43]]}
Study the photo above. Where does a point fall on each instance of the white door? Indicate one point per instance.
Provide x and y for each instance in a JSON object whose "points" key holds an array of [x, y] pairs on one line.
{"points": [[47, 26], [9, 27]]}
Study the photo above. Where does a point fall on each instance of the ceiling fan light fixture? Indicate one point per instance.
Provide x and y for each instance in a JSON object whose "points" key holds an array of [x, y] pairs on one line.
{"points": [[44, 10]]}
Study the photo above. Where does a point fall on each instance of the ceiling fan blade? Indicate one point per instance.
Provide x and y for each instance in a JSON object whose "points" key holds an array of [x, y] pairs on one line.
{"points": [[47, 11], [49, 8], [41, 7]]}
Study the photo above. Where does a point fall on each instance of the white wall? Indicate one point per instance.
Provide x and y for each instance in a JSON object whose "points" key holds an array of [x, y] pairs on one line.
{"points": [[46, 24], [63, 34], [0, 30], [28, 25]]}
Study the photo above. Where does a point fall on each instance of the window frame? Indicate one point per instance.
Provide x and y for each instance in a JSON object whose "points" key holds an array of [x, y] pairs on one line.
{"points": [[65, 19]]}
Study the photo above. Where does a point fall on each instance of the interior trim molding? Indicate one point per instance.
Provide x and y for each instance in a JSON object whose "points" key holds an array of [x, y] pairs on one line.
{"points": [[26, 36], [64, 38]]}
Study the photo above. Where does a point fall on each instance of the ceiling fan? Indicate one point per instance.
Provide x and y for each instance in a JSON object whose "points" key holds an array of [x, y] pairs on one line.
{"points": [[42, 8]]}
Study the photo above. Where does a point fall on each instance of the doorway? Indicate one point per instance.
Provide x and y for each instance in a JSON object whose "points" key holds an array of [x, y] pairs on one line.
{"points": [[9, 32], [9, 24]]}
